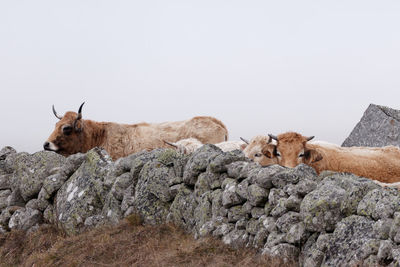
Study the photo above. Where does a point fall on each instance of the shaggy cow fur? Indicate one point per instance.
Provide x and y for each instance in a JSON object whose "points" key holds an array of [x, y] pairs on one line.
{"points": [[73, 134]]}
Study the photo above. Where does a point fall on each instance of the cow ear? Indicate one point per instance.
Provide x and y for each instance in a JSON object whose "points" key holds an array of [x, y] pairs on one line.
{"points": [[311, 156], [78, 126], [243, 146], [268, 150]]}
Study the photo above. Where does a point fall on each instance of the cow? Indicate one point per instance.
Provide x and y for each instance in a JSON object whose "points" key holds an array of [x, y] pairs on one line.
{"points": [[260, 149], [377, 163], [189, 145], [73, 134]]}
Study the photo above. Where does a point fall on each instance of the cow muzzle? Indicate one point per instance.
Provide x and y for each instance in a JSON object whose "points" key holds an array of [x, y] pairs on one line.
{"points": [[50, 146]]}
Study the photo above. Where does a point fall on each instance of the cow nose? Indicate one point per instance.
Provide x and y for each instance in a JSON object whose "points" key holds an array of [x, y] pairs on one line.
{"points": [[46, 145]]}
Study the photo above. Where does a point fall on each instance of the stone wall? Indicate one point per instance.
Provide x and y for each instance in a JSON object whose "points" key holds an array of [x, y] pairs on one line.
{"points": [[333, 219]]}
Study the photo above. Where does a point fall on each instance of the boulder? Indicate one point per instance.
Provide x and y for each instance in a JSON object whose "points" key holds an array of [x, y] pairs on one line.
{"points": [[83, 195], [379, 126]]}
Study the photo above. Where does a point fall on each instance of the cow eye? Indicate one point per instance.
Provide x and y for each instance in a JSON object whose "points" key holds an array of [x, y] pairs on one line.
{"points": [[257, 155], [67, 130]]}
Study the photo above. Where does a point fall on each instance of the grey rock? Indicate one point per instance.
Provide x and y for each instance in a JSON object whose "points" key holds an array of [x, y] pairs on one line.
{"points": [[257, 212], [320, 209], [372, 261], [5, 181], [285, 251], [15, 199], [23, 219], [48, 215], [223, 229], [6, 214], [236, 213], [279, 209], [385, 250], [31, 171], [236, 238], [275, 195], [229, 195], [182, 209], [293, 203], [203, 211], [293, 175], [207, 228], [382, 228], [297, 234], [379, 126], [6, 151], [152, 195], [72, 163], [305, 186], [260, 238], [124, 165], [121, 183], [274, 238], [287, 220], [370, 247], [220, 162], [53, 183], [395, 228], [264, 176], [347, 240], [269, 224], [83, 195], [378, 204], [257, 196], [241, 224], [237, 170], [4, 194], [243, 189], [253, 226], [202, 185], [216, 204], [198, 162], [173, 190], [94, 221]]}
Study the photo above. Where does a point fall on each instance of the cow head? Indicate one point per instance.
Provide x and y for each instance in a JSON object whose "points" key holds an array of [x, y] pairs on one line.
{"points": [[260, 149], [291, 149], [67, 137]]}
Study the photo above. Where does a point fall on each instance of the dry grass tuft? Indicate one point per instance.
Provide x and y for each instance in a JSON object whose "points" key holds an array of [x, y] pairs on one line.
{"points": [[127, 244]]}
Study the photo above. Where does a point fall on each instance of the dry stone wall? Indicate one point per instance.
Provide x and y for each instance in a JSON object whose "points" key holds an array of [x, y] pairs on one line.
{"points": [[333, 219]]}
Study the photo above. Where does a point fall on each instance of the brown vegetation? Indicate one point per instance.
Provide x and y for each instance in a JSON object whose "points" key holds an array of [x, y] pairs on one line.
{"points": [[127, 244]]}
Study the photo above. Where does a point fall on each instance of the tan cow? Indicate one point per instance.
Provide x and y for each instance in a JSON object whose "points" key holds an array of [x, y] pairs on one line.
{"points": [[260, 149], [73, 134], [189, 145], [377, 163]]}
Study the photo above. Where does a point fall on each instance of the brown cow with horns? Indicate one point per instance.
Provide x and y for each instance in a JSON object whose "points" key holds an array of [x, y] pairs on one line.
{"points": [[377, 163], [74, 134]]}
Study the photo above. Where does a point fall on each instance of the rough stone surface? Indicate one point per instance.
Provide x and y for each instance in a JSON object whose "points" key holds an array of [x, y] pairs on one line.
{"points": [[331, 219], [379, 126]]}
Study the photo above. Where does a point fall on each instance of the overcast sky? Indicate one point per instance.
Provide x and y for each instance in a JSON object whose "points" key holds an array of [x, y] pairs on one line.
{"points": [[259, 66]]}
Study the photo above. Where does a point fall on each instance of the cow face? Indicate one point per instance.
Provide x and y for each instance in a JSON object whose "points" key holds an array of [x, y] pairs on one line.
{"points": [[67, 137], [260, 150], [291, 150]]}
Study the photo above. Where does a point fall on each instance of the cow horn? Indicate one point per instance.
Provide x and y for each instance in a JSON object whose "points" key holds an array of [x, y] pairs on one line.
{"points": [[273, 137], [55, 113], [244, 140], [171, 144], [310, 138], [80, 112]]}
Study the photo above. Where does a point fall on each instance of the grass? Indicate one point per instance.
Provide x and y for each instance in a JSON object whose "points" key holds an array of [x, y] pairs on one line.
{"points": [[127, 244]]}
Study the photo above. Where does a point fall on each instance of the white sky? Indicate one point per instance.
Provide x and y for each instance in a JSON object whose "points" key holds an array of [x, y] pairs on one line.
{"points": [[259, 66]]}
